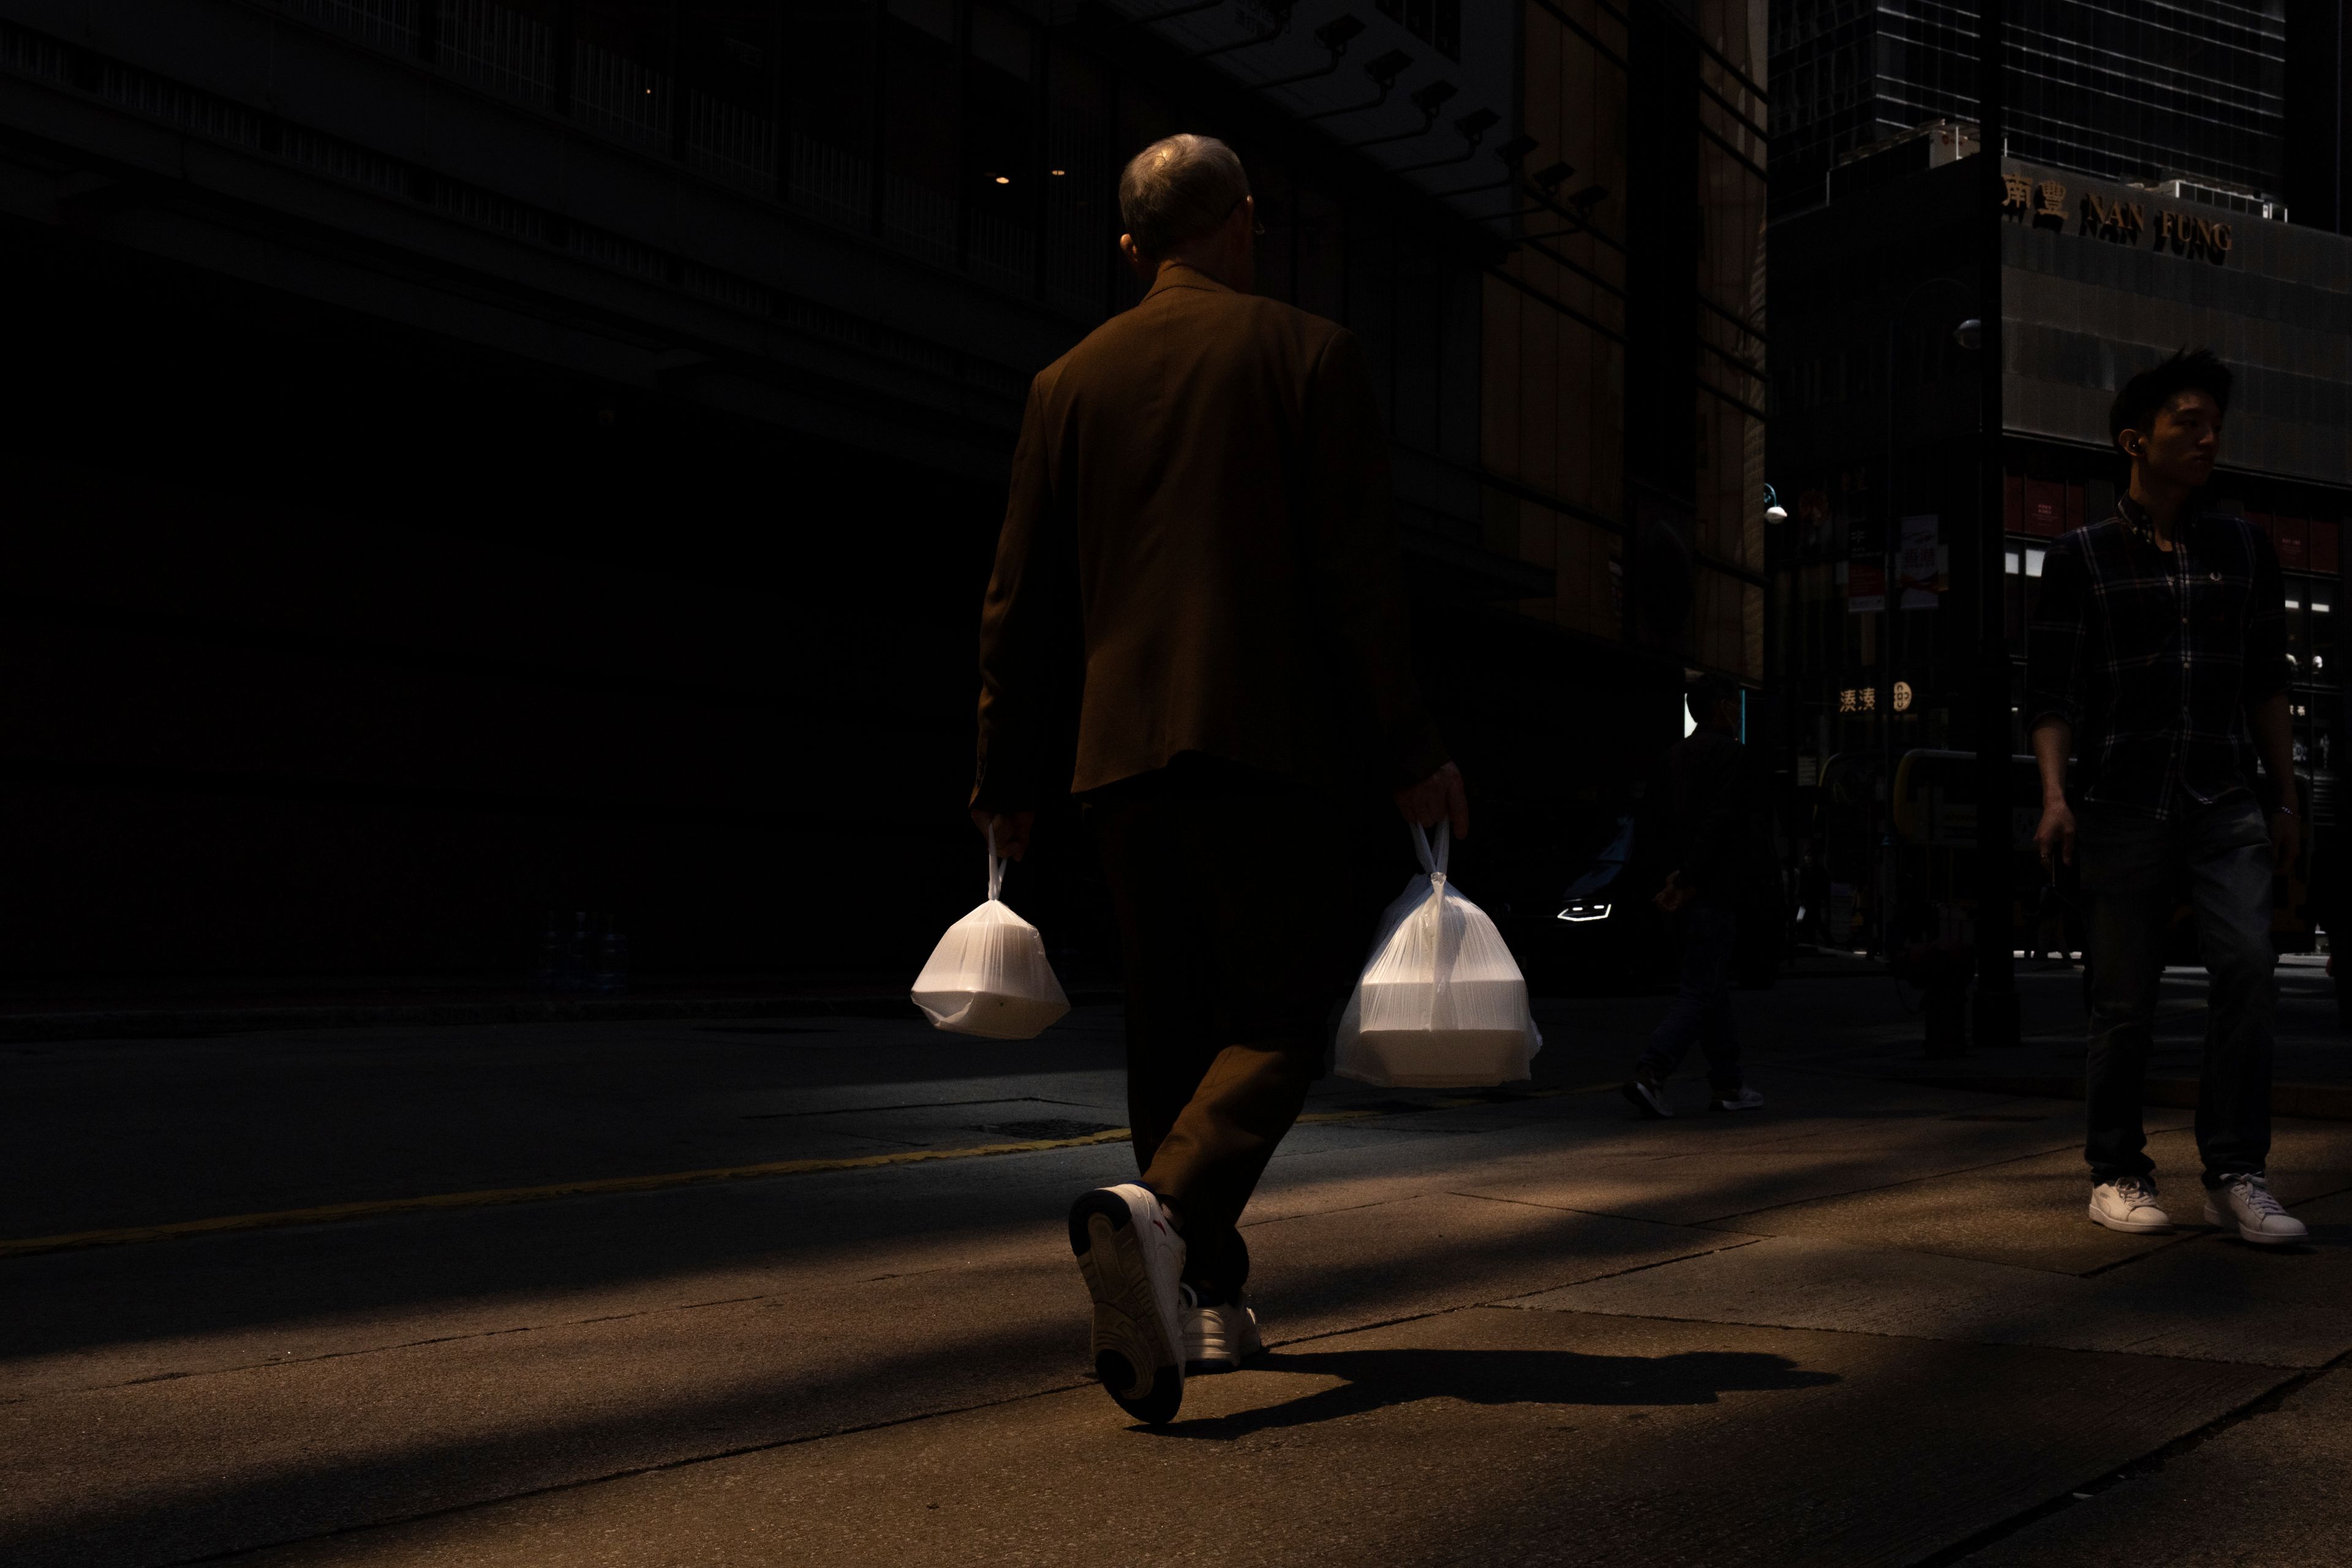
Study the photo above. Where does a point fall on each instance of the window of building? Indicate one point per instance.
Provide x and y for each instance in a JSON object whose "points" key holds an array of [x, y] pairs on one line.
{"points": [[1437, 23], [922, 144], [1002, 180]]}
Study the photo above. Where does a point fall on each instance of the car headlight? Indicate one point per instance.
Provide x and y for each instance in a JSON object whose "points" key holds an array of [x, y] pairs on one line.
{"points": [[1581, 911]]}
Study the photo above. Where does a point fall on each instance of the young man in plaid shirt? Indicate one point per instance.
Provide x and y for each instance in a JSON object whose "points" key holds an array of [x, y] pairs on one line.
{"points": [[2157, 658]]}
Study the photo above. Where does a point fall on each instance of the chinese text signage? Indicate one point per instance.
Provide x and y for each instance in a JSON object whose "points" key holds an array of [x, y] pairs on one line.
{"points": [[2119, 221]]}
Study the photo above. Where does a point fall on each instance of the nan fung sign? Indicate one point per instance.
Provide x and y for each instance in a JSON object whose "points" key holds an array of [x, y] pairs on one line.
{"points": [[2119, 221]]}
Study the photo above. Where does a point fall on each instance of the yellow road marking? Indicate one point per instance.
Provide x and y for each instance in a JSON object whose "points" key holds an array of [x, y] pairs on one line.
{"points": [[490, 1197]]}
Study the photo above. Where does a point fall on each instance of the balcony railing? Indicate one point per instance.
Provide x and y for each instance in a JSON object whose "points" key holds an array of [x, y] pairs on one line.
{"points": [[1056, 251], [502, 49]]}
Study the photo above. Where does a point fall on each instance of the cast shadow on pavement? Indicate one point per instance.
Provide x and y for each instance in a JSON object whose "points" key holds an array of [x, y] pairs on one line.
{"points": [[1378, 1378]]}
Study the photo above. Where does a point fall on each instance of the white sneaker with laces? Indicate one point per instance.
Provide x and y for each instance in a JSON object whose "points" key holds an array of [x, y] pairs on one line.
{"points": [[2246, 1201], [1218, 1336], [1746, 1099], [1133, 1260], [2128, 1204]]}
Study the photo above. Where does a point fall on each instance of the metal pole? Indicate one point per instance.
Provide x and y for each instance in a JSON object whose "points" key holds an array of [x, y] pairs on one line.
{"points": [[1996, 1008], [1887, 620]]}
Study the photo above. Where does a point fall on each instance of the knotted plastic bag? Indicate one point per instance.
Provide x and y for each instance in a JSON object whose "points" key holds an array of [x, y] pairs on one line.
{"points": [[1441, 1004], [989, 975]]}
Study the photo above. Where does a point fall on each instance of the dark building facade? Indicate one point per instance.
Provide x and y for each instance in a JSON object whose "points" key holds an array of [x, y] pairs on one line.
{"points": [[1874, 421], [2126, 92], [469, 460]]}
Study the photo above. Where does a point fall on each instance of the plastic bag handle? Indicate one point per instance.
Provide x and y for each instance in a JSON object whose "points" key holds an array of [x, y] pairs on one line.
{"points": [[995, 866], [1432, 848]]}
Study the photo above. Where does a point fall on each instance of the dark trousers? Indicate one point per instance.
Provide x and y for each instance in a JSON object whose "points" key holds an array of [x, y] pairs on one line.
{"points": [[2135, 868], [1233, 930], [1706, 932]]}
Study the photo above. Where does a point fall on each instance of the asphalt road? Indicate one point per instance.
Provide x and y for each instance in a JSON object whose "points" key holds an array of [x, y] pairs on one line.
{"points": [[766, 1294]]}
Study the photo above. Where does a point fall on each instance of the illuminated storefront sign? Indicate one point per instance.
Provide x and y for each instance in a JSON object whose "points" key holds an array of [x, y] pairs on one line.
{"points": [[1864, 699]]}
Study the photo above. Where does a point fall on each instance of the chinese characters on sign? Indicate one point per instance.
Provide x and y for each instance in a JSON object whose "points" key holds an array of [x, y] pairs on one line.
{"points": [[2020, 195], [1864, 699], [2123, 222]]}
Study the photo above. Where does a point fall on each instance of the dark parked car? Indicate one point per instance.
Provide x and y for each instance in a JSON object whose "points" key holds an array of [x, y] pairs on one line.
{"points": [[1578, 926]]}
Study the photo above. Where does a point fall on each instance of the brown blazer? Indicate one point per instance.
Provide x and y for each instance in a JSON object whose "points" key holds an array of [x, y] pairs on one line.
{"points": [[1200, 554]]}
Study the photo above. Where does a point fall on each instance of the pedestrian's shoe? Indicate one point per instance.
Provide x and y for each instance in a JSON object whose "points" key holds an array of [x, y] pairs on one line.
{"points": [[1132, 1259], [2128, 1204], [2245, 1201], [1742, 1099], [1647, 1097], [1219, 1332]]}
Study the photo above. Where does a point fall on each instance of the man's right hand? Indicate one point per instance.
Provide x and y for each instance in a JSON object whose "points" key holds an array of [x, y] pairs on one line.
{"points": [[1437, 798], [1013, 830], [2054, 840]]}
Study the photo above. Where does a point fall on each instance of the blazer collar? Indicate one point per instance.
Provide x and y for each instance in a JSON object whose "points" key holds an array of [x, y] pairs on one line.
{"points": [[1184, 274]]}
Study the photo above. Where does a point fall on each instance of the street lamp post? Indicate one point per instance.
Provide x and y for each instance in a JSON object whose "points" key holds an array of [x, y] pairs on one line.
{"points": [[1996, 1008]]}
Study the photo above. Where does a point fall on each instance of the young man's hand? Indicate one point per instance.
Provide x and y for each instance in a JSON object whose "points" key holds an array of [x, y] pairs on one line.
{"points": [[2286, 838], [1438, 798], [1673, 895], [1013, 830], [2054, 840]]}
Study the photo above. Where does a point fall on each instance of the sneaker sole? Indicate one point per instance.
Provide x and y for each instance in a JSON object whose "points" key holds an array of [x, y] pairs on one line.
{"points": [[1133, 1359], [1641, 1102], [2257, 1238], [2127, 1226]]}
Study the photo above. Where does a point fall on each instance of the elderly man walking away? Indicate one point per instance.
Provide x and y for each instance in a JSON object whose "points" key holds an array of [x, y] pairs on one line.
{"points": [[2157, 658], [1699, 819], [1199, 566]]}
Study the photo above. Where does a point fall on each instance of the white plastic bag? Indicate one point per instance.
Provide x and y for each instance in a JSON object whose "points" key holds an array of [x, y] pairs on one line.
{"points": [[989, 975], [1441, 1004]]}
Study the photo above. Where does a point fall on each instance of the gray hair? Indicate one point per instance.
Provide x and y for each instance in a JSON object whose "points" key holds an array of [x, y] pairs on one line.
{"points": [[1179, 188]]}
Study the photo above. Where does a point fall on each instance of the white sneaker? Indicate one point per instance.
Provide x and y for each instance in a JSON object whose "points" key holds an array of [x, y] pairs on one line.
{"points": [[1218, 1337], [1746, 1099], [1132, 1259], [2128, 1204], [2246, 1201]]}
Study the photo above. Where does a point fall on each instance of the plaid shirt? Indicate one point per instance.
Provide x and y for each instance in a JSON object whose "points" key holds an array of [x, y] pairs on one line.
{"points": [[2155, 657]]}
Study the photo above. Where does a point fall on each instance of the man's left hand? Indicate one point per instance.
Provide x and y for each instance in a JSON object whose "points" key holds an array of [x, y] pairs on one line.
{"points": [[2286, 838], [1673, 896]]}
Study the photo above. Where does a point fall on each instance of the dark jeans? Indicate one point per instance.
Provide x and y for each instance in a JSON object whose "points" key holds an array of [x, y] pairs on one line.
{"points": [[1236, 942], [2135, 868], [1705, 935]]}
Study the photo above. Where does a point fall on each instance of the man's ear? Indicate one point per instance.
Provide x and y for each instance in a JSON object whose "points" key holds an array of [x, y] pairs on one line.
{"points": [[2129, 441], [1136, 260]]}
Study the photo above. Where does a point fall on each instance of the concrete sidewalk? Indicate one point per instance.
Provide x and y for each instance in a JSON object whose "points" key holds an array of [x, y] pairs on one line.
{"points": [[1867, 1325]]}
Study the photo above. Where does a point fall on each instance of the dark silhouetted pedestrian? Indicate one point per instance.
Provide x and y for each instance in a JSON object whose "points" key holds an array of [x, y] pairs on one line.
{"points": [[1698, 822], [2157, 659], [1199, 571]]}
